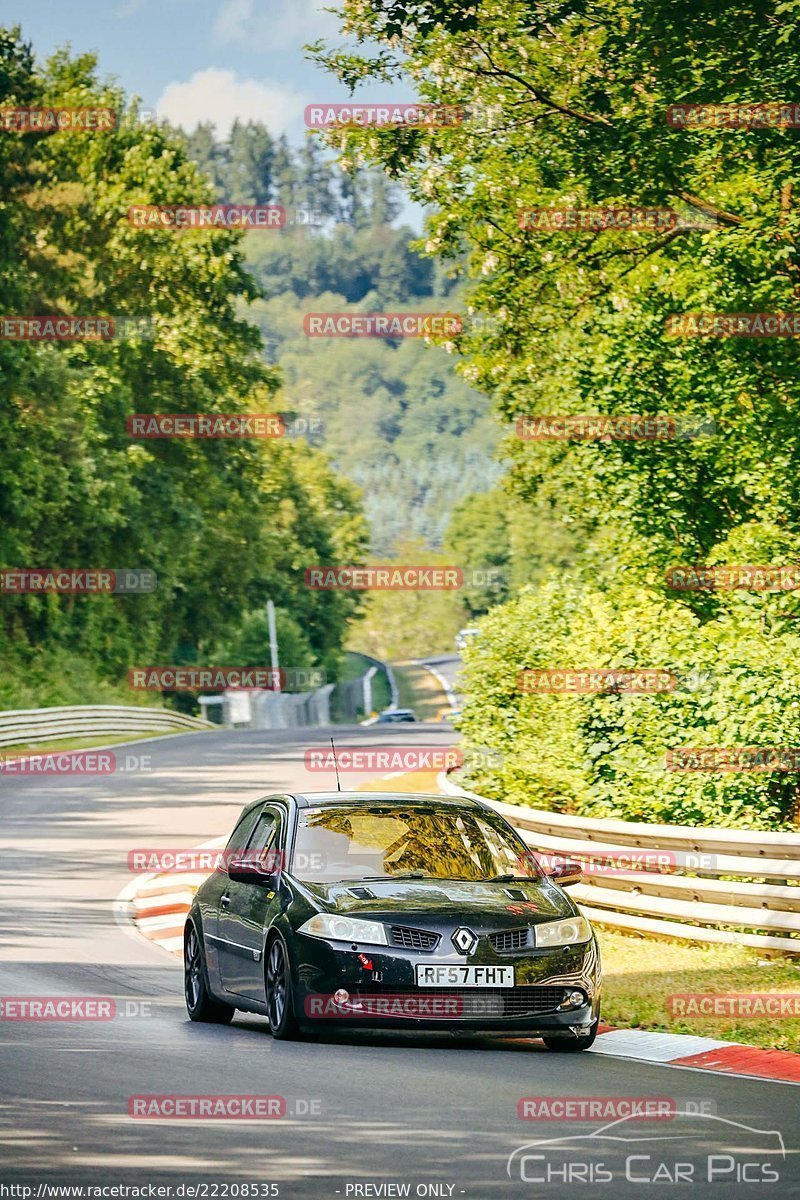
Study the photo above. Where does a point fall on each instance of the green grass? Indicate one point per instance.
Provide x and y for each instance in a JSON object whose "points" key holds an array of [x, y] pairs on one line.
{"points": [[355, 665], [420, 690], [639, 974]]}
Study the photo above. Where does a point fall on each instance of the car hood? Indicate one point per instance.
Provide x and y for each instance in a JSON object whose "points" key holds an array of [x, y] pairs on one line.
{"points": [[444, 902]]}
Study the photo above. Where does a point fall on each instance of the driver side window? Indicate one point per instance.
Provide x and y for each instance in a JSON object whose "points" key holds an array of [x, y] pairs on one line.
{"points": [[262, 848], [241, 834]]}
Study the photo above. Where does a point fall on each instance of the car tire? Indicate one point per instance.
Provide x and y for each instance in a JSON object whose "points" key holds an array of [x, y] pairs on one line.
{"points": [[279, 992], [571, 1044], [200, 1004]]}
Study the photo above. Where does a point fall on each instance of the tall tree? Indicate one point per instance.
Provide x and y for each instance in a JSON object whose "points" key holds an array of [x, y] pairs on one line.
{"points": [[222, 523], [251, 155]]}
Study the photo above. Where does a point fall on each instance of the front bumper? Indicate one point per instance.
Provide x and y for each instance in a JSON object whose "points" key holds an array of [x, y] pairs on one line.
{"points": [[382, 992]]}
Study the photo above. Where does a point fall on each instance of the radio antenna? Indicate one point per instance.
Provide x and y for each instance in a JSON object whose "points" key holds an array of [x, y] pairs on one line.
{"points": [[336, 767]]}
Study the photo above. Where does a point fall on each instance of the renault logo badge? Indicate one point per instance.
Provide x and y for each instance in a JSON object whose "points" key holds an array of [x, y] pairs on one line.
{"points": [[464, 940]]}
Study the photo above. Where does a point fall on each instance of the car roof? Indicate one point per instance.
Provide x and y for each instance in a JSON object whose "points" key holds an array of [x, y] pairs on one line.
{"points": [[404, 799], [303, 800]]}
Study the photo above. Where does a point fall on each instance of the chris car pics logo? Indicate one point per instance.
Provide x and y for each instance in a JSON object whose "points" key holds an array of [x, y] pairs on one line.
{"points": [[701, 1148]]}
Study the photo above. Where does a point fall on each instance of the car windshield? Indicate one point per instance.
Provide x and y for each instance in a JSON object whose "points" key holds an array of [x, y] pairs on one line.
{"points": [[362, 842]]}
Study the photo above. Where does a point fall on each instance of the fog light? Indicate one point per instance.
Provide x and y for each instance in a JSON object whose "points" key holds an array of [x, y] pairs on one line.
{"points": [[341, 996]]}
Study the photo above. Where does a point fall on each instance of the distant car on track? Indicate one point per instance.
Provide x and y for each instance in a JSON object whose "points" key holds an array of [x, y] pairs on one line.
{"points": [[463, 636], [382, 910], [396, 716]]}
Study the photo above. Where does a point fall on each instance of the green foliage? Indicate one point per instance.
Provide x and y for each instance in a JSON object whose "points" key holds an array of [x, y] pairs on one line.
{"points": [[53, 676], [223, 524], [566, 107], [410, 624], [398, 421], [605, 755], [248, 644]]}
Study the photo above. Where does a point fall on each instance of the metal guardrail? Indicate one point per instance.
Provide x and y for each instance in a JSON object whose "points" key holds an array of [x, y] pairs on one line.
{"points": [[688, 895], [27, 726]]}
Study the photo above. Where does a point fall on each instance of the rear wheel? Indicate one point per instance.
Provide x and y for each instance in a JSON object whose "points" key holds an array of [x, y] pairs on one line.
{"points": [[200, 1004], [280, 998], [572, 1044]]}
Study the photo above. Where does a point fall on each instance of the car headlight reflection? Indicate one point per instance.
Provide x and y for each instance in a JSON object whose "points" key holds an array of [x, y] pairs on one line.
{"points": [[563, 933], [334, 928]]}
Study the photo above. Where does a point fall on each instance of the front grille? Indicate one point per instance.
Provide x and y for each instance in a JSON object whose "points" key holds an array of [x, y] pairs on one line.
{"points": [[412, 939], [454, 1004], [510, 939]]}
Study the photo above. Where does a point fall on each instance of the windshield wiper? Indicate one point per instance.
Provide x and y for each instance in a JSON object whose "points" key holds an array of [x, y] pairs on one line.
{"points": [[388, 878]]}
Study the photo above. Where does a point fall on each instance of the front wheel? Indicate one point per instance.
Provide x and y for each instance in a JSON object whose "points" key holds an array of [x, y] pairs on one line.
{"points": [[572, 1044], [200, 1004], [280, 1000]]}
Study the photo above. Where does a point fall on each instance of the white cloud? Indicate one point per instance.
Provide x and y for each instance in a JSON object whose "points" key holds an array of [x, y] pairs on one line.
{"points": [[220, 96], [281, 23]]}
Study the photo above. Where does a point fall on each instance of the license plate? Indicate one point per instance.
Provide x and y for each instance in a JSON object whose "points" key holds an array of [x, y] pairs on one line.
{"points": [[443, 977]]}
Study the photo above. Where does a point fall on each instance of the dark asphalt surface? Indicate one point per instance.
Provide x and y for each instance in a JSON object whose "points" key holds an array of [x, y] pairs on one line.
{"points": [[366, 1115]]}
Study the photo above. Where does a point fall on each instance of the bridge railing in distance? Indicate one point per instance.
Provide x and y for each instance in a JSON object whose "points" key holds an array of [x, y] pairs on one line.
{"points": [[28, 726], [739, 886]]}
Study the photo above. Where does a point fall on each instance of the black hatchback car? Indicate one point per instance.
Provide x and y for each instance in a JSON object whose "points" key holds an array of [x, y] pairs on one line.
{"points": [[375, 910]]}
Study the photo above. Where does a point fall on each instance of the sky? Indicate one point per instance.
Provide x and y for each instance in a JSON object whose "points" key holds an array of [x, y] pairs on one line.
{"points": [[199, 60]]}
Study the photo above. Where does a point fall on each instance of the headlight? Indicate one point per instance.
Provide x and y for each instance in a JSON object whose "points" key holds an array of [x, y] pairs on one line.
{"points": [[345, 929], [563, 933]]}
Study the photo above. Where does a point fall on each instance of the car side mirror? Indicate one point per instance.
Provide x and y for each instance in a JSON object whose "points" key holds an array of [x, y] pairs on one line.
{"points": [[566, 873], [247, 870]]}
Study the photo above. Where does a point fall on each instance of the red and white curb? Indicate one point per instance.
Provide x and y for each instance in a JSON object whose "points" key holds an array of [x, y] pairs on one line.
{"points": [[157, 904], [699, 1054]]}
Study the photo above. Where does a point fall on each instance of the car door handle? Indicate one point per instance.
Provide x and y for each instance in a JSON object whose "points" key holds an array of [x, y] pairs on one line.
{"points": [[224, 901]]}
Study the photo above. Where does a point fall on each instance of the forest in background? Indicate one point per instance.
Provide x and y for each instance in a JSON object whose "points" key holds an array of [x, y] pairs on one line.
{"points": [[398, 420], [224, 525], [566, 107]]}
